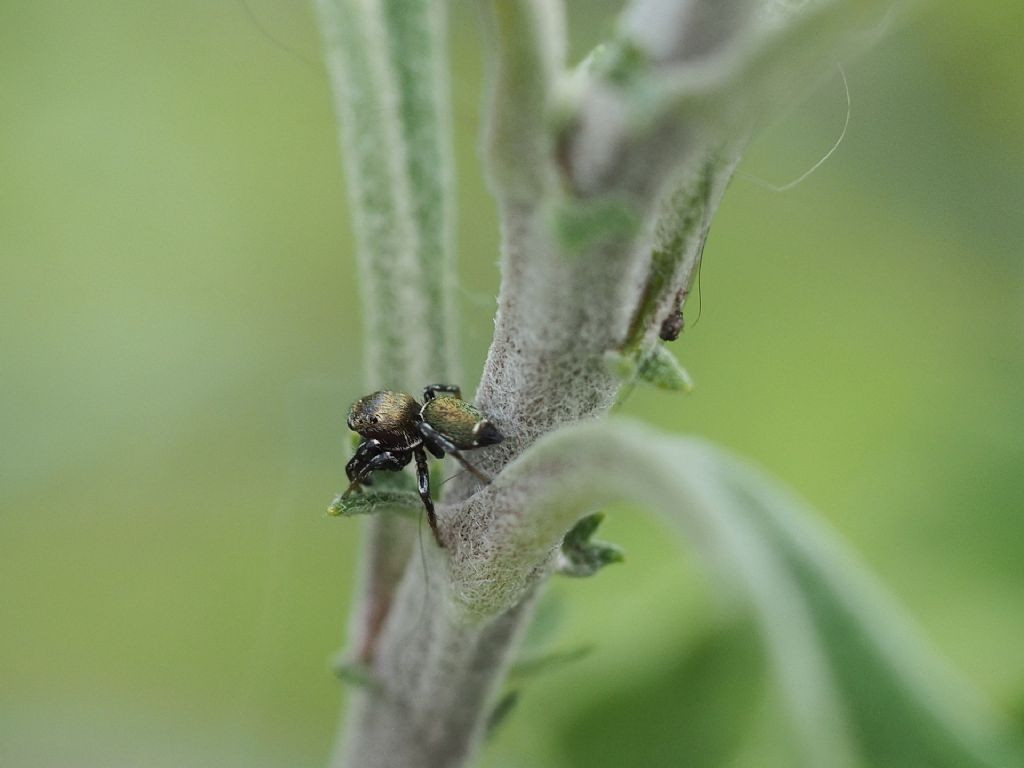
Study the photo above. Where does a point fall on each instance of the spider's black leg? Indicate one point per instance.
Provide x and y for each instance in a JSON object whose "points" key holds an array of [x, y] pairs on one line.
{"points": [[430, 392], [423, 480], [364, 452], [385, 460], [431, 435], [437, 450]]}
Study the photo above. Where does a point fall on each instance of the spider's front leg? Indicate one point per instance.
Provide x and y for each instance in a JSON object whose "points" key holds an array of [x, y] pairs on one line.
{"points": [[365, 451], [382, 460]]}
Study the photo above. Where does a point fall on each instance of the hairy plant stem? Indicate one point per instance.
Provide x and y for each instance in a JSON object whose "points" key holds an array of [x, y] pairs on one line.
{"points": [[436, 676], [606, 182], [386, 63]]}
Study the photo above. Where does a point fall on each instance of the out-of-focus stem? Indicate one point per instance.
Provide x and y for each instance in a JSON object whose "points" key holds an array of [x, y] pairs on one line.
{"points": [[387, 67]]}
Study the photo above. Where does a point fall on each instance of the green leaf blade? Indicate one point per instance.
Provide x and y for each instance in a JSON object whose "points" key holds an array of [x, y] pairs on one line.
{"points": [[861, 686]]}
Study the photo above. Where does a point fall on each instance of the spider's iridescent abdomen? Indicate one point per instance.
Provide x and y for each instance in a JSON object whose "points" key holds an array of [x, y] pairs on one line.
{"points": [[460, 422]]}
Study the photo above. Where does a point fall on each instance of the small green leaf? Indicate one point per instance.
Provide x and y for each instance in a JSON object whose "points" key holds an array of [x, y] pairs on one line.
{"points": [[375, 501], [582, 557], [662, 370], [659, 369], [501, 711], [583, 530], [356, 673], [546, 662]]}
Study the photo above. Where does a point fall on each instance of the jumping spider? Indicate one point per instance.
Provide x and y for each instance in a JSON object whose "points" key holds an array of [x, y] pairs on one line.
{"points": [[396, 429]]}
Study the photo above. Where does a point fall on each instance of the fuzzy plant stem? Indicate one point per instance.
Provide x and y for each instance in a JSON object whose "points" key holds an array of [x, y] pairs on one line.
{"points": [[386, 63], [606, 178]]}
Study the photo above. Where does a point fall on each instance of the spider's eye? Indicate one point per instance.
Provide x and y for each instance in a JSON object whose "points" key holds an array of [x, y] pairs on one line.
{"points": [[374, 420]]}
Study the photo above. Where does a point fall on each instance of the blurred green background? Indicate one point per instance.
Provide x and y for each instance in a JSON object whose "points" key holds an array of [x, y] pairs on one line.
{"points": [[180, 338]]}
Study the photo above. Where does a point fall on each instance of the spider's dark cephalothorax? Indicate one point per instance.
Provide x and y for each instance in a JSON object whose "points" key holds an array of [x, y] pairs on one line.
{"points": [[396, 429]]}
